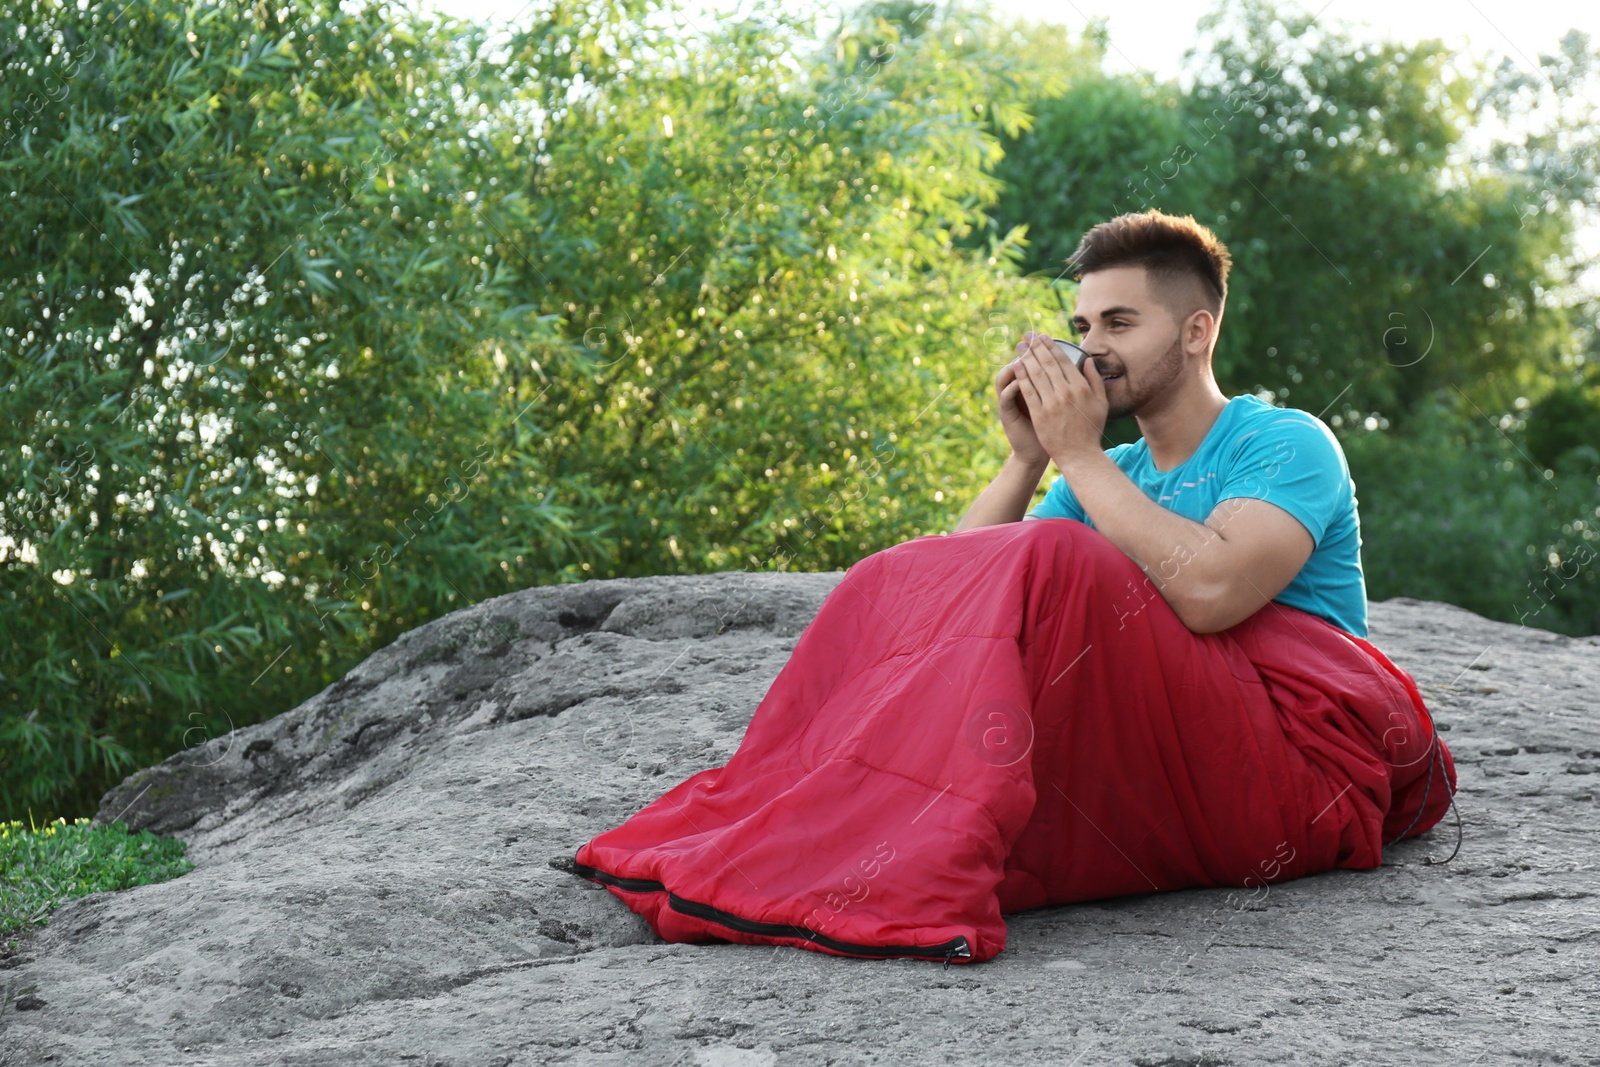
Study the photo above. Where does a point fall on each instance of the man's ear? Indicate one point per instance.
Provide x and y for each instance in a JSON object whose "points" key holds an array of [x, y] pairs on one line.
{"points": [[1199, 331]]}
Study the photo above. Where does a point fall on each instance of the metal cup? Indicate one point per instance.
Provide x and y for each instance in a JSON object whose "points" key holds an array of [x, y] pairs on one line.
{"points": [[1072, 352]]}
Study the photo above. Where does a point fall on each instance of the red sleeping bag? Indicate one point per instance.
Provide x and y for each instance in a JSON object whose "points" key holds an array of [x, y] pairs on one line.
{"points": [[994, 720]]}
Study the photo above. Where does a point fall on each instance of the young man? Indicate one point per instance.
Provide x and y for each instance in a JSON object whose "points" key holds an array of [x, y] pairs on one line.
{"points": [[1224, 504], [1019, 716]]}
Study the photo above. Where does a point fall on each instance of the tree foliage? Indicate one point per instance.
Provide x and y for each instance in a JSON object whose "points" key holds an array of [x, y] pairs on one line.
{"points": [[771, 291], [322, 320], [229, 322]]}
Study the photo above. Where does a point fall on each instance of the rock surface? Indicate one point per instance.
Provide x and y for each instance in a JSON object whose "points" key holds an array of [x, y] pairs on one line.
{"points": [[374, 881]]}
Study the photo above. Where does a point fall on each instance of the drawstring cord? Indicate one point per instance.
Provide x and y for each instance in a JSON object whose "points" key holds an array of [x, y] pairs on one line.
{"points": [[1433, 751]]}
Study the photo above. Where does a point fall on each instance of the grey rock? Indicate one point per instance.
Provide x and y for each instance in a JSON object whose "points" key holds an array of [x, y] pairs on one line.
{"points": [[382, 877]]}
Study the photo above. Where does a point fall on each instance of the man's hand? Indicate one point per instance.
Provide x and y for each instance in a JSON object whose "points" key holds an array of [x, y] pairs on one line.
{"points": [[1014, 418], [1066, 406]]}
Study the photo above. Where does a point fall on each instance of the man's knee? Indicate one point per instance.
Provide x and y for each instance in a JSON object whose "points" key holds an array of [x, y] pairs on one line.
{"points": [[1136, 596], [1118, 584]]}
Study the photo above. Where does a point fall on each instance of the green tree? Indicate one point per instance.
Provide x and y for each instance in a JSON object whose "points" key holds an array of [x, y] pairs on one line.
{"points": [[1362, 229], [792, 357], [1462, 513], [258, 419], [322, 319], [1565, 424]]}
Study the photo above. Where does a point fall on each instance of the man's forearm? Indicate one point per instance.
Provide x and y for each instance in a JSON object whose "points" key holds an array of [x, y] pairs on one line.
{"points": [[1006, 499], [1175, 551]]}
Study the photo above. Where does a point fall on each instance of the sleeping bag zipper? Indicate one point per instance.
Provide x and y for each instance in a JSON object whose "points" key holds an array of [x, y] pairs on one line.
{"points": [[956, 947]]}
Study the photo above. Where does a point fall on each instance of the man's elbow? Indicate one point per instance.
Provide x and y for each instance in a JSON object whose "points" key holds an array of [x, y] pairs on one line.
{"points": [[1196, 618], [1204, 609], [1203, 624]]}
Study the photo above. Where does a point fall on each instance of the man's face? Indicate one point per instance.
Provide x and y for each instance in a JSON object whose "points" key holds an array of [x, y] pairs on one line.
{"points": [[1131, 335]]}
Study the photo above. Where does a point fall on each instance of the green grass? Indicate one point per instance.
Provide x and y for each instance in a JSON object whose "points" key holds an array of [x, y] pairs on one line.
{"points": [[42, 867]]}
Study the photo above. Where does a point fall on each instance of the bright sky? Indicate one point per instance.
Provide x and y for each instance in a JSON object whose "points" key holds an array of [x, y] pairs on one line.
{"points": [[1153, 34]]}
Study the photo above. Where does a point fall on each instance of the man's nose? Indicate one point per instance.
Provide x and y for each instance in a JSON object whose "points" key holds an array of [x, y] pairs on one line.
{"points": [[1091, 344]]}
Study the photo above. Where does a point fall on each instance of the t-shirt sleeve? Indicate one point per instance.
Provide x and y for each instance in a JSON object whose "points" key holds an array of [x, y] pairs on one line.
{"points": [[1295, 463], [1059, 502]]}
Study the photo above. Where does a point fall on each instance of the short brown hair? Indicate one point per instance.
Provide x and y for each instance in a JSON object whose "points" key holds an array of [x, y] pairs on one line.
{"points": [[1170, 247]]}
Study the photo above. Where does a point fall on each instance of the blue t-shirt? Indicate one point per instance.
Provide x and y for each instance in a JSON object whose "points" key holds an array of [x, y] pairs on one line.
{"points": [[1284, 456]]}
